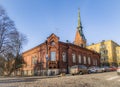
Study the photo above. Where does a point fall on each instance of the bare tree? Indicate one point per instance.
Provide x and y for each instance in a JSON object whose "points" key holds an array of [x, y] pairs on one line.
{"points": [[2, 61], [11, 42], [7, 29], [19, 41], [13, 53]]}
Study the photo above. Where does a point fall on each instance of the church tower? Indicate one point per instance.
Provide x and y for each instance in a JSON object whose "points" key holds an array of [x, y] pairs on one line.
{"points": [[80, 39]]}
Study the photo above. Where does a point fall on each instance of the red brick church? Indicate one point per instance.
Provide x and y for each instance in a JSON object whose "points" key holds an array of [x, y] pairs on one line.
{"points": [[54, 56]]}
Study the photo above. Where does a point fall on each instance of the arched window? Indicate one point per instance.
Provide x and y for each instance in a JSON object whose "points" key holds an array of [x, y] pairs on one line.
{"points": [[74, 58], [84, 59], [89, 61], [64, 56], [79, 58]]}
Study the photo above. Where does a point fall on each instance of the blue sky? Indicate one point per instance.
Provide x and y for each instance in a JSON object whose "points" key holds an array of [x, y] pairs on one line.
{"points": [[39, 18]]}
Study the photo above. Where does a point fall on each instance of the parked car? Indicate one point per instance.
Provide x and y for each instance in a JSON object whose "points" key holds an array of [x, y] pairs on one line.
{"points": [[94, 69], [106, 68], [118, 70], [113, 68], [91, 69], [78, 69]]}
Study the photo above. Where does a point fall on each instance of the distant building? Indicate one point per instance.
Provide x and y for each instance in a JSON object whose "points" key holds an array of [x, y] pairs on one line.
{"points": [[118, 54], [109, 50], [54, 57]]}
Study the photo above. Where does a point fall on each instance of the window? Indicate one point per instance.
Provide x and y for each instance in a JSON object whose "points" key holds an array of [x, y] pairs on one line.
{"points": [[105, 59], [96, 62], [102, 59], [93, 61], [105, 51], [25, 72], [64, 56], [52, 43], [79, 57], [53, 56], [74, 59], [102, 52], [84, 59], [34, 60], [89, 61], [102, 46]]}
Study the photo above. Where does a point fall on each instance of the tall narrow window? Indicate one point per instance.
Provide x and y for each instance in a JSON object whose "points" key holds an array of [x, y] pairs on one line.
{"points": [[93, 61], [84, 59], [79, 57], [74, 58], [53, 56], [64, 56], [34, 60], [96, 62], [89, 61]]}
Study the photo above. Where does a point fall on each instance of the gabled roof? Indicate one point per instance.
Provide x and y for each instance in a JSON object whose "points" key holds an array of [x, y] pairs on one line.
{"points": [[53, 35]]}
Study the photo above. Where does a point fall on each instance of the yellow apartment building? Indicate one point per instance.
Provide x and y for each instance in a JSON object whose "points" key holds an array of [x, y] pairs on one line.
{"points": [[109, 50], [118, 55]]}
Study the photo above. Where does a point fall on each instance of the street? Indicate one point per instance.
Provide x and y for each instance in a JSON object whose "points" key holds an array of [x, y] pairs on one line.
{"points": [[107, 79]]}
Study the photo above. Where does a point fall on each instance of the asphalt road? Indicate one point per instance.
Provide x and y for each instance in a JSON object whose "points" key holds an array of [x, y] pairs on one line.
{"points": [[107, 79]]}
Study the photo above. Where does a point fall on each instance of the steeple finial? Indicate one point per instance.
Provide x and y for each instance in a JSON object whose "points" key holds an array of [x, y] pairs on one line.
{"points": [[79, 21]]}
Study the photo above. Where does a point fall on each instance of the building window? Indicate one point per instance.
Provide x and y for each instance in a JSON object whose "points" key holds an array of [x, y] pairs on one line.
{"points": [[34, 60], [84, 59], [96, 62], [89, 61], [102, 59], [25, 72], [106, 59], [79, 57], [52, 43], [101, 52], [93, 61], [64, 56], [74, 58], [53, 56], [102, 46], [104, 52]]}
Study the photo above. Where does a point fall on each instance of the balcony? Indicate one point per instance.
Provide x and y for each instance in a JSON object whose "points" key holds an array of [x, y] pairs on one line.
{"points": [[52, 64]]}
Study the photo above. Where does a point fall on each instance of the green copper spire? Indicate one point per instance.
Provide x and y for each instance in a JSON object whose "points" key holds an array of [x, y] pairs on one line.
{"points": [[79, 23]]}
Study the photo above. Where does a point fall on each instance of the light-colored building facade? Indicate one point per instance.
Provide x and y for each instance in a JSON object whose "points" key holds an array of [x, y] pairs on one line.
{"points": [[118, 55], [108, 50]]}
